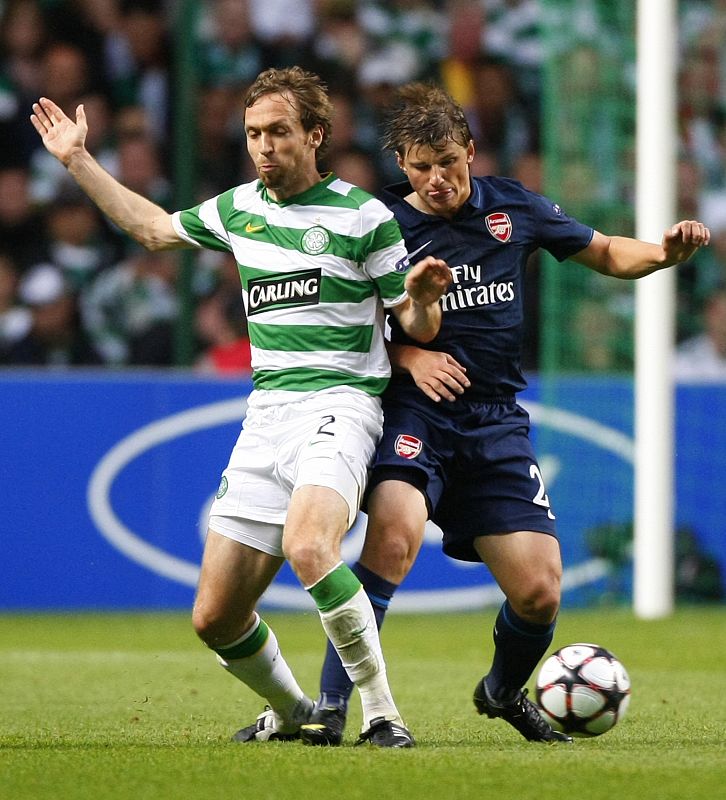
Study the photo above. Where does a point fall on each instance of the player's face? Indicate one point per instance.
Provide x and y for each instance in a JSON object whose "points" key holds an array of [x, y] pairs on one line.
{"points": [[282, 151], [440, 178]]}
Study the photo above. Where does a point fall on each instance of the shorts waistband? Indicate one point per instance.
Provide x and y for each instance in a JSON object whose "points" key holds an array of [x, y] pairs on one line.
{"points": [[497, 399]]}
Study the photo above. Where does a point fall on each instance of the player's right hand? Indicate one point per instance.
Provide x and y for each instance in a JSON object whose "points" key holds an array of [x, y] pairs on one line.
{"points": [[427, 280], [61, 136]]}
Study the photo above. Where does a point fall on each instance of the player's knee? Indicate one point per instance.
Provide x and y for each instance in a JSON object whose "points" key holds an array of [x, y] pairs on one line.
{"points": [[400, 555], [391, 551], [307, 556], [212, 628], [539, 602], [202, 624]]}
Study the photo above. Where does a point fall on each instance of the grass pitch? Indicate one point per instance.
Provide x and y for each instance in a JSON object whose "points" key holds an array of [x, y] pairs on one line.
{"points": [[133, 706]]}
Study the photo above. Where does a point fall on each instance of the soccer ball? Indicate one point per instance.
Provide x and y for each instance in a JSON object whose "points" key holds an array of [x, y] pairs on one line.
{"points": [[583, 690]]}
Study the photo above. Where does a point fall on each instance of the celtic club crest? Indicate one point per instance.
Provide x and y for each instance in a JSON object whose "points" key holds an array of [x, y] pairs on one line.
{"points": [[315, 240]]}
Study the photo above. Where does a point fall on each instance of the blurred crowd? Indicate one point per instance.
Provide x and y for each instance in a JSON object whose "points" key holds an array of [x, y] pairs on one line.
{"points": [[74, 290]]}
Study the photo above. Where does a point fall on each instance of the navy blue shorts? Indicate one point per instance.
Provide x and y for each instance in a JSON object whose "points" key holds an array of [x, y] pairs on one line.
{"points": [[473, 462]]}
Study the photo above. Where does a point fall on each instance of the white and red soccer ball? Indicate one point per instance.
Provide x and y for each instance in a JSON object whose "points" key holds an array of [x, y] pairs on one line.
{"points": [[583, 690]]}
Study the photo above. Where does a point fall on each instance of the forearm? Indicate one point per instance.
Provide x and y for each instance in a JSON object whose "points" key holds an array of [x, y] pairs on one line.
{"points": [[144, 221], [401, 356], [630, 259], [420, 322], [623, 257]]}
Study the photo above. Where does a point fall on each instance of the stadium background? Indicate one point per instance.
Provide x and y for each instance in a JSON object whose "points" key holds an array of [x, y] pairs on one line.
{"points": [[549, 87]]}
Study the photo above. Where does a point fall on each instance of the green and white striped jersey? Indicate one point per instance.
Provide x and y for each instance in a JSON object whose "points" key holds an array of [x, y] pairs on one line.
{"points": [[317, 271]]}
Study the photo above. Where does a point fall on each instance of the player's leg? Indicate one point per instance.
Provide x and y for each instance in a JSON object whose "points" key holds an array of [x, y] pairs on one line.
{"points": [[528, 569], [406, 480], [497, 482], [233, 577], [396, 518], [318, 518], [242, 554]]}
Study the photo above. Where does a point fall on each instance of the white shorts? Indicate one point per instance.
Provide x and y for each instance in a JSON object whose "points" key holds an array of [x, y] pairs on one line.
{"points": [[327, 439]]}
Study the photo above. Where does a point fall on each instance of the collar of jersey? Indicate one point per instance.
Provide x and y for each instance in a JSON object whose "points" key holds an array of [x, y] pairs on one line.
{"points": [[304, 197]]}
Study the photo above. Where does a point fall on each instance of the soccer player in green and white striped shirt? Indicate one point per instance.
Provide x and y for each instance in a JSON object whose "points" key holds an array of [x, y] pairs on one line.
{"points": [[319, 260]]}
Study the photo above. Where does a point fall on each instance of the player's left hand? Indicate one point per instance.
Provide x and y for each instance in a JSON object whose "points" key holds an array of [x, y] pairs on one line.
{"points": [[438, 375], [682, 240], [427, 280]]}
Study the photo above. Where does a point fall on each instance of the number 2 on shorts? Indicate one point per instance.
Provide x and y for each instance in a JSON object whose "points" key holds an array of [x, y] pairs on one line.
{"points": [[541, 497], [328, 419]]}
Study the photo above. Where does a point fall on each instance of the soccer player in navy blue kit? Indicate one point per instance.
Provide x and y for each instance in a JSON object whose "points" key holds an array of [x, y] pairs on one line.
{"points": [[456, 446]]}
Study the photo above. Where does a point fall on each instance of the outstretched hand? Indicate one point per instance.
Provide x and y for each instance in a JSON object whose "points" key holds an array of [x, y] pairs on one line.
{"points": [[682, 240], [61, 136], [427, 280]]}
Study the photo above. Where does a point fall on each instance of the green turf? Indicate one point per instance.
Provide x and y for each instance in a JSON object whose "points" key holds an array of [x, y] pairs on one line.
{"points": [[132, 706]]}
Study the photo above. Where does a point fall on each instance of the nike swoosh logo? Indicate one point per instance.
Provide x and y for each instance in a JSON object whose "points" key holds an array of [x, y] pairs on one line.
{"points": [[405, 263], [250, 228]]}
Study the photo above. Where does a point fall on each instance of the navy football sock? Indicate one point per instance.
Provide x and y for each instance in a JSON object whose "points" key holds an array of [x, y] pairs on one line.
{"points": [[335, 685], [518, 647]]}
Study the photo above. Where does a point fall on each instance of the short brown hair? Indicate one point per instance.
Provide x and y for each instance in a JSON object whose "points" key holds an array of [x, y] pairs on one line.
{"points": [[424, 114], [309, 93]]}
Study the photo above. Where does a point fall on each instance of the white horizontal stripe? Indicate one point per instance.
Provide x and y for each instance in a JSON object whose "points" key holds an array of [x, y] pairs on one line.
{"points": [[262, 255], [328, 314], [382, 262]]}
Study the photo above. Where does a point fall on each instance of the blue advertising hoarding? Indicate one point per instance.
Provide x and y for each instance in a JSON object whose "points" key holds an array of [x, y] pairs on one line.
{"points": [[106, 479]]}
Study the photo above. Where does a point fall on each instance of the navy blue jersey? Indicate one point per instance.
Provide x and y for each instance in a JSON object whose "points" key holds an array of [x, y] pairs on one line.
{"points": [[486, 245]]}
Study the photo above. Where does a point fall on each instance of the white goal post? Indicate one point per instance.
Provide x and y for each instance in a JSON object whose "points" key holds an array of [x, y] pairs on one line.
{"points": [[653, 555]]}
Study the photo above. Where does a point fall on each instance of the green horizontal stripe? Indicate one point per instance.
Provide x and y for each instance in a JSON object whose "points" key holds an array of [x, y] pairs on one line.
{"points": [[340, 290], [251, 645], [387, 234], [199, 231], [308, 197], [335, 588], [391, 285], [276, 235], [301, 379], [311, 338]]}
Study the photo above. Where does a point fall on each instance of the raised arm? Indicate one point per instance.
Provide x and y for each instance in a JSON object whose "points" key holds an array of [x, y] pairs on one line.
{"points": [[144, 221], [420, 314], [621, 257]]}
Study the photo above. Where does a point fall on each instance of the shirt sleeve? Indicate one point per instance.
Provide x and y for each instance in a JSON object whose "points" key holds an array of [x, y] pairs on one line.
{"points": [[385, 258], [203, 225], [559, 234]]}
